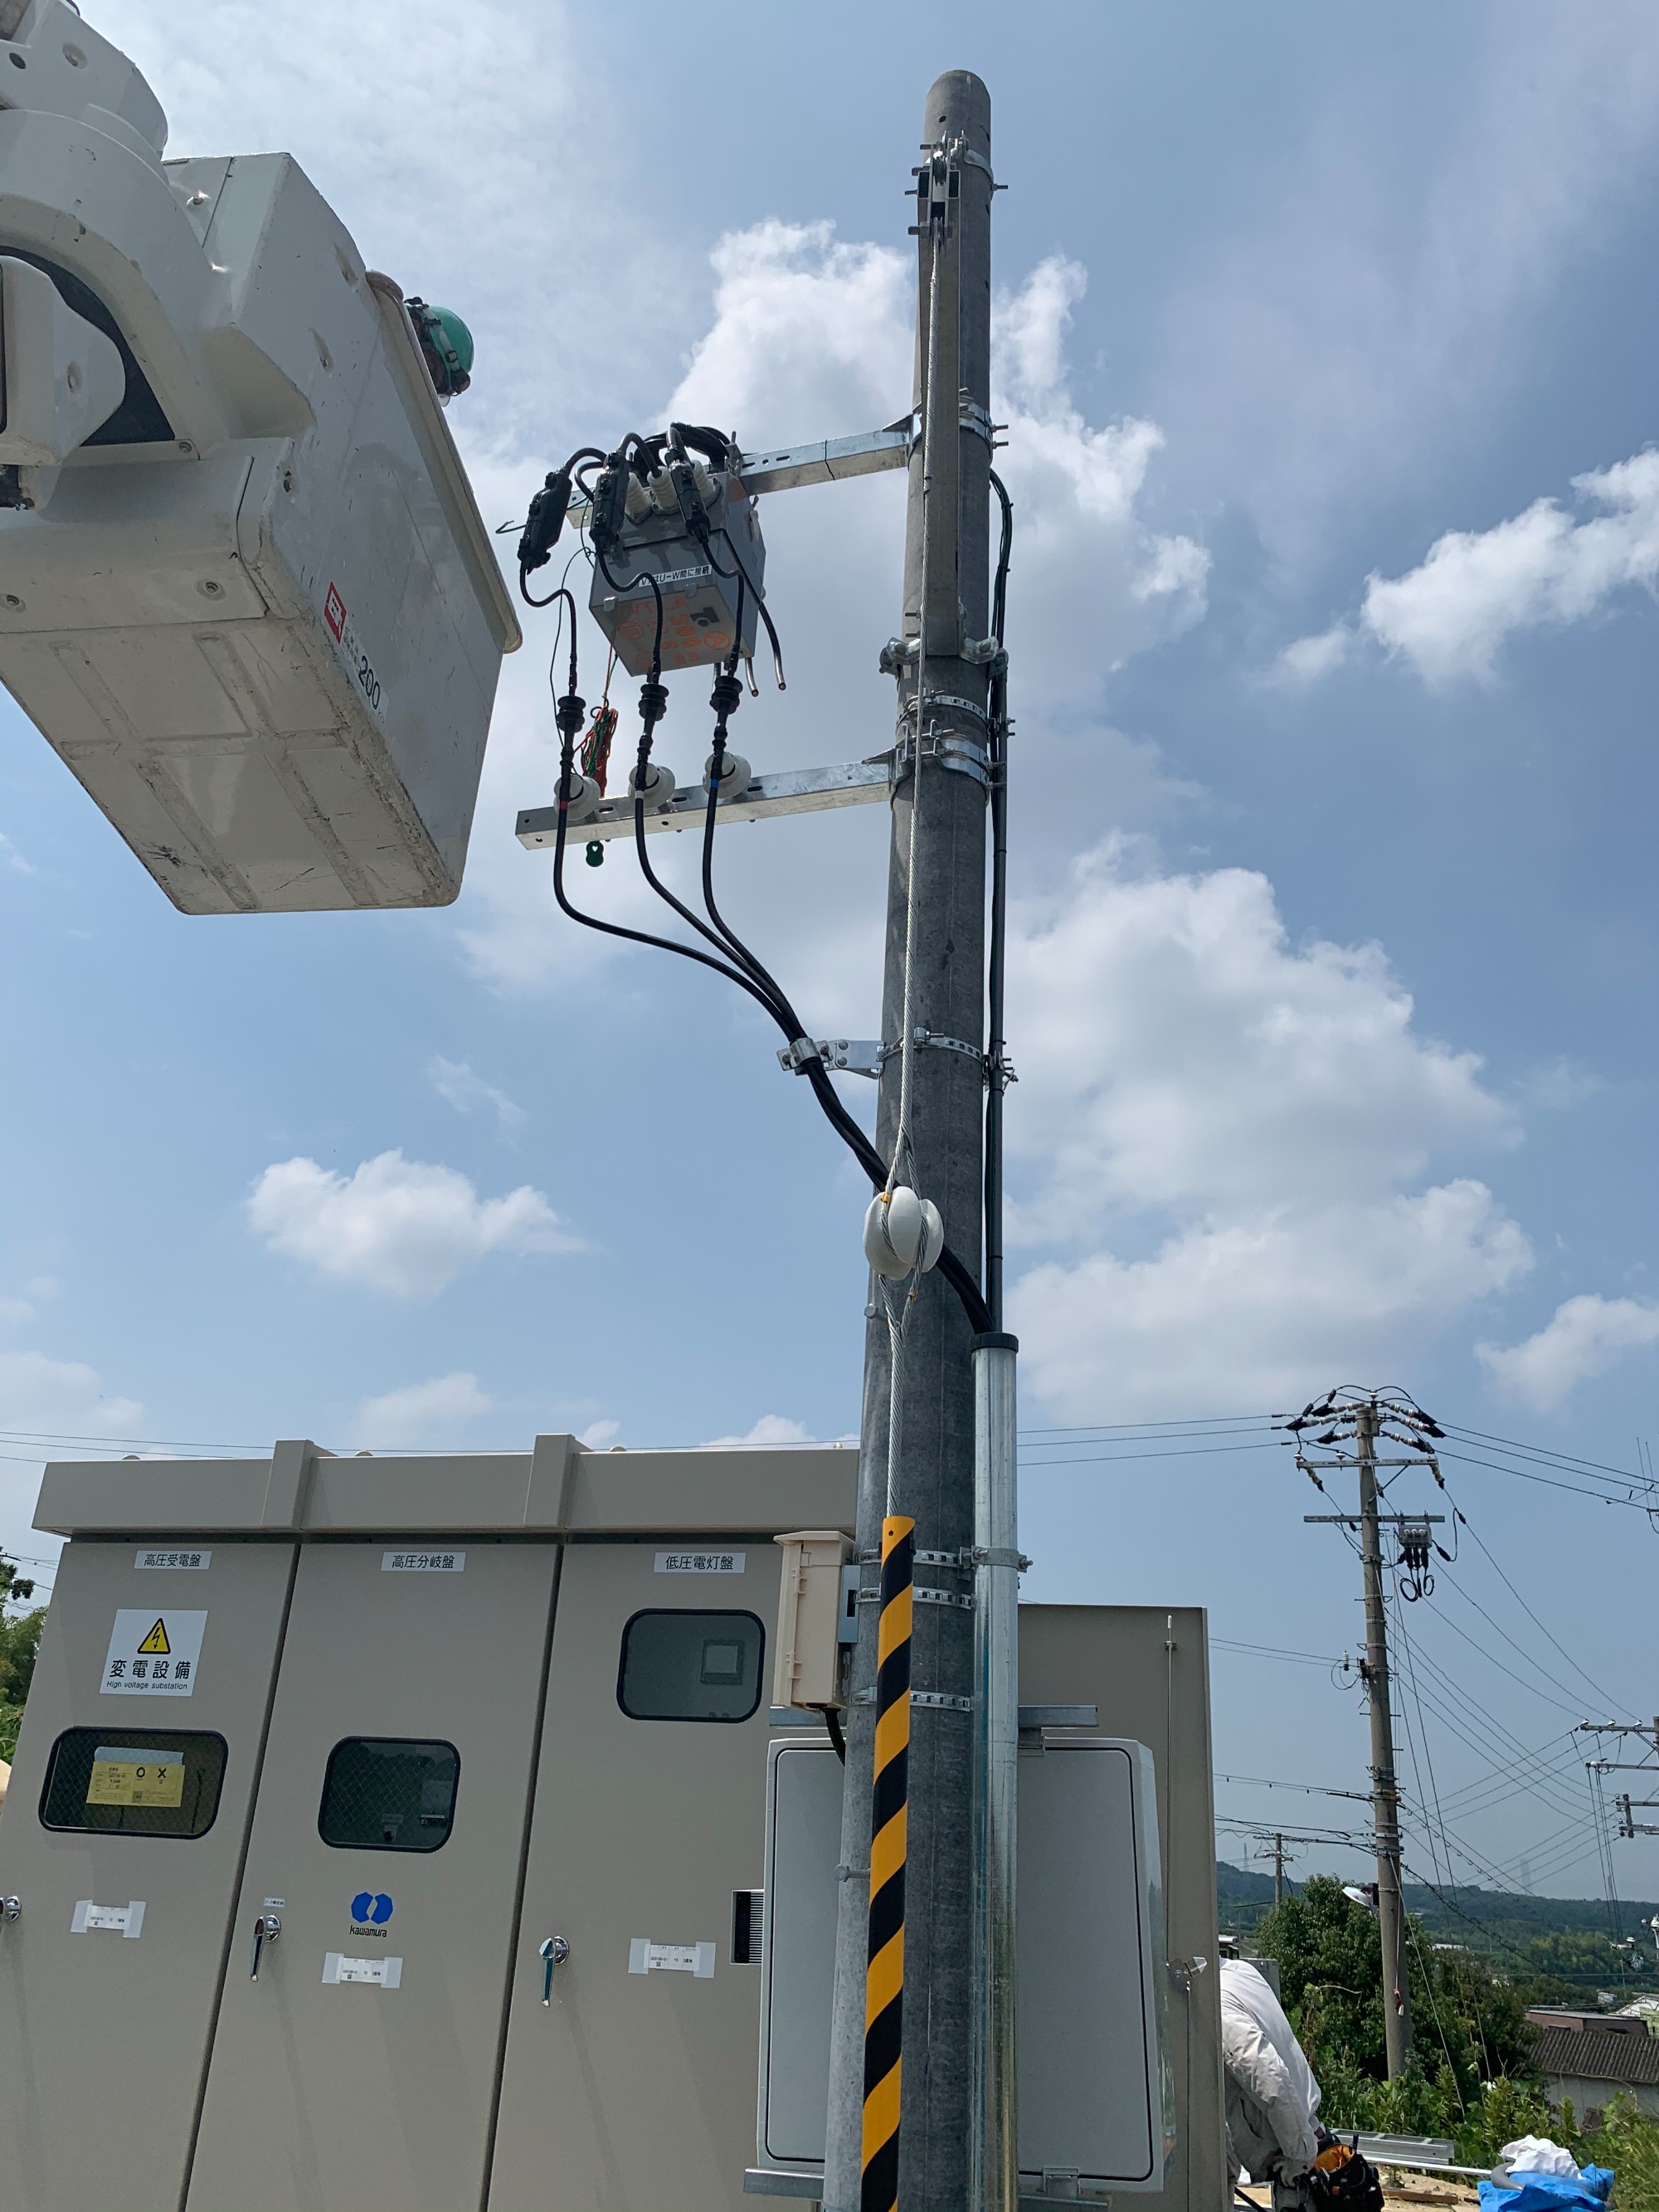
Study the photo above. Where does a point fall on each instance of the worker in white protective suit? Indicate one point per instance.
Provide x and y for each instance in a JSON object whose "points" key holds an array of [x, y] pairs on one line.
{"points": [[1271, 2096]]}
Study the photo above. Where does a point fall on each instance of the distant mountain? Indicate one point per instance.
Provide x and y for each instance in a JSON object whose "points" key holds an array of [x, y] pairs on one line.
{"points": [[1557, 1948]]}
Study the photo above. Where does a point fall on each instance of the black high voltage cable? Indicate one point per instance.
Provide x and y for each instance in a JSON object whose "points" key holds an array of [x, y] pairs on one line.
{"points": [[1346, 1838], [1456, 1846], [1573, 1705], [1500, 1785], [1604, 1846], [1195, 1423], [995, 1042], [1613, 1704], [1500, 1742], [1542, 1452], [1550, 1481], [1548, 1787], [1124, 1459], [1499, 1943], [1273, 1651], [1034, 1440], [1394, 1607], [751, 977], [1303, 1789], [1437, 1824]]}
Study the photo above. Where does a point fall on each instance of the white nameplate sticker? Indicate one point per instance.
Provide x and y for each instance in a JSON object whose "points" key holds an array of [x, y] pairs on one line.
{"points": [[126, 1920], [423, 1563], [378, 1973], [153, 1654], [645, 1957], [174, 1560], [702, 1562]]}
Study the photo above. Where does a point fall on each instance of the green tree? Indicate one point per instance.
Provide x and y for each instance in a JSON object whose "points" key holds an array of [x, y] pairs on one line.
{"points": [[1468, 2025], [1628, 2141], [20, 1642]]}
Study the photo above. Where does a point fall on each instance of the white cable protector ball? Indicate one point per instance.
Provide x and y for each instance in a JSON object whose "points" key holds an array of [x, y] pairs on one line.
{"points": [[897, 1231]]}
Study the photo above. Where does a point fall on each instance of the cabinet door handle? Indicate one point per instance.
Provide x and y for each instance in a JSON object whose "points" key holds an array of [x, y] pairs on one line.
{"points": [[266, 1929], [554, 1952]]}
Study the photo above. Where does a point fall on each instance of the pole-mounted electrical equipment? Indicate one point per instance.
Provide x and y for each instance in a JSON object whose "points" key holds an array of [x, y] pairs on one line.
{"points": [[246, 592]]}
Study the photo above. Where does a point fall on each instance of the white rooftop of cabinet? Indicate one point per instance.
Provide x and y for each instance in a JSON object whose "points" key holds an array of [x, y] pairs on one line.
{"points": [[557, 1488]]}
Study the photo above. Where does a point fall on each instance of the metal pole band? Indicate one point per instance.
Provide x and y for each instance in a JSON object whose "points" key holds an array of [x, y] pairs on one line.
{"points": [[883, 2004]]}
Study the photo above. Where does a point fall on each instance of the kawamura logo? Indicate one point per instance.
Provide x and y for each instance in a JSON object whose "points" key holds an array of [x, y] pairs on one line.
{"points": [[370, 1913]]}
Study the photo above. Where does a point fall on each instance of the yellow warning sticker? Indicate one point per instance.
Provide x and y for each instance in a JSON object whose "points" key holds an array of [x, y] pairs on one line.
{"points": [[156, 1644], [121, 1776]]}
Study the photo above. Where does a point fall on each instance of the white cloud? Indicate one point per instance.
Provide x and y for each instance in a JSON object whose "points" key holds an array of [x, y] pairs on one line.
{"points": [[770, 1428], [458, 1086], [1090, 567], [61, 1398], [1175, 1050], [420, 1411], [12, 860], [1556, 1085], [1584, 1336], [1450, 617], [403, 1226], [1259, 1315], [1254, 1122], [600, 1434]]}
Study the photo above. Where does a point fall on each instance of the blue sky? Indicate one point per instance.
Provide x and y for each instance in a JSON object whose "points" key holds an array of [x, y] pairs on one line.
{"points": [[1325, 343]]}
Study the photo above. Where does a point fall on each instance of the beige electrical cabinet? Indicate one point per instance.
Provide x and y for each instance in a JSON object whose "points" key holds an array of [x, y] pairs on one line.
{"points": [[286, 1933], [390, 1835]]}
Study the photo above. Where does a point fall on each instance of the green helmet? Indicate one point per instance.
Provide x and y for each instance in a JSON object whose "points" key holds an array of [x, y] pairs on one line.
{"points": [[446, 343]]}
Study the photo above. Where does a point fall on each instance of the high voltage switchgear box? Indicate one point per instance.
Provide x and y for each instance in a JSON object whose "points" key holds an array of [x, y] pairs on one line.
{"points": [[246, 592], [677, 544], [390, 1835]]}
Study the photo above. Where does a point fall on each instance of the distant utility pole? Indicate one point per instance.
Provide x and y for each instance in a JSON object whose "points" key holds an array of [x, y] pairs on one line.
{"points": [[905, 2091], [1278, 1869], [1629, 1825], [1360, 1417]]}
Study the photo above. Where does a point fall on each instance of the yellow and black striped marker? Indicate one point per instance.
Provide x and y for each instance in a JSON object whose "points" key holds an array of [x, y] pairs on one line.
{"points": [[884, 1999]]}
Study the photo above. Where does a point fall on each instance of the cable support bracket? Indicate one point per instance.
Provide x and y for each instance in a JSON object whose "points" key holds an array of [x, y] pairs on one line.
{"points": [[933, 1700], [971, 415], [841, 1056], [946, 748], [924, 1594], [993, 1067], [994, 1555], [949, 699]]}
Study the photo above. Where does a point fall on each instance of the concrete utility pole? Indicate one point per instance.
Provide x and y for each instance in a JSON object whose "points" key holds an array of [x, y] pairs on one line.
{"points": [[1278, 1869], [1361, 1417], [936, 908], [1385, 1788]]}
